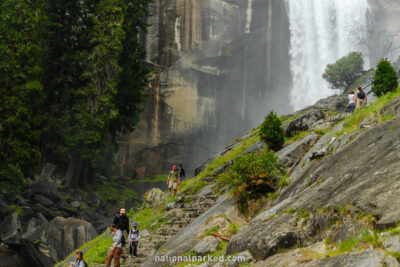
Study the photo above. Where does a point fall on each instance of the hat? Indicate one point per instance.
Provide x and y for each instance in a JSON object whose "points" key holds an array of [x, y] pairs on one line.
{"points": [[134, 224], [174, 167]]}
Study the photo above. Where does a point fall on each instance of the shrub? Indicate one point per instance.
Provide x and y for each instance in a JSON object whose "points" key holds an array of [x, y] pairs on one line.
{"points": [[345, 71], [385, 79], [253, 174], [271, 132]]}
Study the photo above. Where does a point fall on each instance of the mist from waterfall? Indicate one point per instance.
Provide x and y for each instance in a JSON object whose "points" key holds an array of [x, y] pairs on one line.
{"points": [[320, 33]]}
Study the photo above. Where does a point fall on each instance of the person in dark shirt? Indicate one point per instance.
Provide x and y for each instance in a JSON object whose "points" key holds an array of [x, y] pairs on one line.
{"points": [[181, 177], [122, 221]]}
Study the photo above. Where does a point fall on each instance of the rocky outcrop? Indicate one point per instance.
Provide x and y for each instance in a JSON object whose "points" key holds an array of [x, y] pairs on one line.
{"points": [[62, 236], [220, 72], [303, 122], [155, 197]]}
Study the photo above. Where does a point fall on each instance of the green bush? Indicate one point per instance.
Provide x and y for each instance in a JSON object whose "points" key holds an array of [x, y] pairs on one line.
{"points": [[385, 79], [253, 174], [345, 71], [271, 132]]}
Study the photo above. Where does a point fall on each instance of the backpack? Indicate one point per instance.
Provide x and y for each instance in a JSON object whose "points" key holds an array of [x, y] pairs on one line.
{"points": [[123, 239], [84, 263], [361, 95]]}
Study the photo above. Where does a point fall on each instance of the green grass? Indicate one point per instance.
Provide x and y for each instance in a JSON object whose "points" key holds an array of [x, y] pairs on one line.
{"points": [[209, 231], [193, 185], [157, 178], [352, 123]]}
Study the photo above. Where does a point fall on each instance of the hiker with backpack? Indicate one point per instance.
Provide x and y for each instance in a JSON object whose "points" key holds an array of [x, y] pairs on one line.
{"points": [[181, 177], [116, 249], [79, 260], [122, 221], [134, 237], [361, 98], [352, 102], [172, 181]]}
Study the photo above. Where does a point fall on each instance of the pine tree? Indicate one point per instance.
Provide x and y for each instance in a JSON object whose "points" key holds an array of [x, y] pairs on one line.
{"points": [[385, 79], [271, 132], [21, 89]]}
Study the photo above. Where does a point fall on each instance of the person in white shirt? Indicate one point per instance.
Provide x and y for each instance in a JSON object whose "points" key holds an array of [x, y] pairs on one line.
{"points": [[79, 259], [352, 105]]}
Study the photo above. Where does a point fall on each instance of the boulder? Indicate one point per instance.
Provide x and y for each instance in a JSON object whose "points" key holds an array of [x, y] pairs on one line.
{"points": [[4, 210], [209, 244], [27, 213], [304, 122], [155, 197], [11, 229], [75, 204], [333, 103], [46, 189], [392, 244], [63, 236], [47, 171], [393, 108], [49, 214], [94, 199], [42, 200]]}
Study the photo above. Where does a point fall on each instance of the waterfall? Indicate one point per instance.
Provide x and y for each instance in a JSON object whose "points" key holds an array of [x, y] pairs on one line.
{"points": [[320, 33]]}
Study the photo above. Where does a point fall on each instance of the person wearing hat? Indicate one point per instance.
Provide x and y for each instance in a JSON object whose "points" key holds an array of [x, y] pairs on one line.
{"points": [[172, 181], [134, 237]]}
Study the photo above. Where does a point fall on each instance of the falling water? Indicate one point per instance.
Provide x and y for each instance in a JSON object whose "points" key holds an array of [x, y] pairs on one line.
{"points": [[320, 33]]}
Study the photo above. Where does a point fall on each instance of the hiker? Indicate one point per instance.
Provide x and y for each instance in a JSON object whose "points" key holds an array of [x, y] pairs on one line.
{"points": [[181, 177], [172, 181], [352, 103], [79, 260], [361, 98], [116, 249], [122, 221], [134, 237]]}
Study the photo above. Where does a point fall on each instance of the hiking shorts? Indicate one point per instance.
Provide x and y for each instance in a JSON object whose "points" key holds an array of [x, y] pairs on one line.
{"points": [[172, 185]]}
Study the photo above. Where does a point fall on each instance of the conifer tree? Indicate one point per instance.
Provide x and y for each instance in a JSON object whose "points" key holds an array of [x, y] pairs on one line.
{"points": [[385, 79]]}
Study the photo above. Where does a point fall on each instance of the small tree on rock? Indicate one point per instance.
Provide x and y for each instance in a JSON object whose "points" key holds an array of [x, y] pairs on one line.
{"points": [[385, 79], [271, 132], [345, 71]]}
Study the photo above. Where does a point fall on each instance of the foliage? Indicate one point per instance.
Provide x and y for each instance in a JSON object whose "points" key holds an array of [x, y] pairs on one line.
{"points": [[271, 132], [112, 193], [72, 78], [252, 174], [385, 79], [345, 71], [193, 185], [21, 87]]}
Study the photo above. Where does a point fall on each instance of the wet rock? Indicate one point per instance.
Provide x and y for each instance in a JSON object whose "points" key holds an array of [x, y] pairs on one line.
{"points": [[42, 200], [11, 229], [63, 236], [304, 122], [155, 197], [208, 244]]}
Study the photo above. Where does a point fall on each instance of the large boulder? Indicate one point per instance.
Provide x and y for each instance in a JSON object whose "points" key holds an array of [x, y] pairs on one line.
{"points": [[46, 189], [304, 122], [155, 197], [63, 236], [11, 229], [43, 201], [209, 244], [333, 103], [4, 210]]}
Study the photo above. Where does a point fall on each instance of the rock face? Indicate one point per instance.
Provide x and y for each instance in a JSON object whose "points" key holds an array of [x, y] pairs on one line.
{"points": [[220, 73], [155, 196], [62, 236], [304, 122]]}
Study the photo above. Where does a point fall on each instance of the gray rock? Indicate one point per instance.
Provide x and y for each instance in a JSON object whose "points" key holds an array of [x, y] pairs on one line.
{"points": [[393, 108], [392, 244], [42, 200], [11, 229], [76, 204], [318, 154], [333, 103], [292, 153], [63, 236], [155, 197], [264, 239], [27, 212], [145, 233], [4, 210], [46, 189], [47, 171], [208, 244], [368, 122], [304, 122], [94, 199], [255, 147]]}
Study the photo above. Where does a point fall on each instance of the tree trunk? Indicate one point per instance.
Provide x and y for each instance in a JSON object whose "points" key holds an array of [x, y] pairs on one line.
{"points": [[73, 172]]}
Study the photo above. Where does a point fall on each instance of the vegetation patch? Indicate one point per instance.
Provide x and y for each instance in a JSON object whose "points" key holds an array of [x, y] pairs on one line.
{"points": [[155, 179], [16, 208], [112, 193]]}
